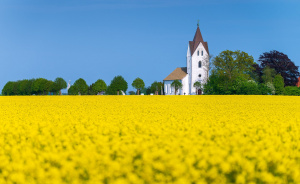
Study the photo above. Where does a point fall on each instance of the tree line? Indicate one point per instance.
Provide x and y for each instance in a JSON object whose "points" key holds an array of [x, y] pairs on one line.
{"points": [[235, 72], [39, 86], [231, 72], [117, 85]]}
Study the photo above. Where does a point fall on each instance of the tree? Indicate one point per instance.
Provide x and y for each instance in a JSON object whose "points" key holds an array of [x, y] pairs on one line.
{"points": [[257, 73], [79, 88], [8, 88], [197, 85], [292, 91], [131, 93], [39, 86], [50, 86], [177, 85], [118, 83], [279, 84], [22, 86], [138, 84], [98, 87], [72, 90], [229, 65], [156, 87], [268, 74], [249, 87], [264, 89], [282, 65], [59, 84], [271, 88]]}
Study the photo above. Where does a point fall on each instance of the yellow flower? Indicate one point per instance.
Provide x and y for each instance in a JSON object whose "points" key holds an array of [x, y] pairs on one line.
{"points": [[149, 139]]}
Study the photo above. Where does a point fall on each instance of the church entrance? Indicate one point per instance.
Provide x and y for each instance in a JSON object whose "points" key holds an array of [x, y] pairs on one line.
{"points": [[199, 91]]}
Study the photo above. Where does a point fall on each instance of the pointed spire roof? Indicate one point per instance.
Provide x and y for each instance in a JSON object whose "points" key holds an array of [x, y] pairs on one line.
{"points": [[198, 36], [197, 40]]}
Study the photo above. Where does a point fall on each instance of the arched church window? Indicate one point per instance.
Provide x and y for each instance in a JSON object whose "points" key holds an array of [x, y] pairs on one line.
{"points": [[198, 53], [199, 64], [201, 53], [199, 75]]}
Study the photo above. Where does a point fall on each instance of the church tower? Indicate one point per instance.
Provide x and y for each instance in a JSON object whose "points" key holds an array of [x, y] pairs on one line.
{"points": [[197, 61]]}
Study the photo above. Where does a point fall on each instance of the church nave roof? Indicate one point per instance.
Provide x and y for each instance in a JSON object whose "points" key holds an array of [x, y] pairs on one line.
{"points": [[177, 74]]}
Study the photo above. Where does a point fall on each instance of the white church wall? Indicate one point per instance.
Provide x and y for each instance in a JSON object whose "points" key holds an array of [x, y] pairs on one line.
{"points": [[169, 90], [189, 70], [185, 85], [195, 69]]}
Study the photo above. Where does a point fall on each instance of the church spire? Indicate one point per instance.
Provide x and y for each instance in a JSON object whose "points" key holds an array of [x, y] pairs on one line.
{"points": [[197, 40], [198, 36]]}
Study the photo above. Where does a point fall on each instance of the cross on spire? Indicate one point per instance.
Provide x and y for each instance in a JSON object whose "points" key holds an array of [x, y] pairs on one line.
{"points": [[198, 23]]}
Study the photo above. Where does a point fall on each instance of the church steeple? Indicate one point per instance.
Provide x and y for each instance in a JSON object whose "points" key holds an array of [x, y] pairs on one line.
{"points": [[197, 40]]}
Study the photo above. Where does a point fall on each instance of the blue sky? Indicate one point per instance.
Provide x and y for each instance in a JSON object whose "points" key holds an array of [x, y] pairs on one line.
{"points": [[99, 39]]}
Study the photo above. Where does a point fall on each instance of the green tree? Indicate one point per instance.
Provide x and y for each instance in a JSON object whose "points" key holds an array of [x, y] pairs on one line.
{"points": [[8, 88], [117, 84], [80, 87], [97, 87], [38, 86], [59, 84], [292, 91], [22, 86], [197, 85], [268, 74], [131, 93], [72, 90], [138, 84], [248, 88], [156, 87], [177, 85], [278, 84], [264, 89], [229, 66]]}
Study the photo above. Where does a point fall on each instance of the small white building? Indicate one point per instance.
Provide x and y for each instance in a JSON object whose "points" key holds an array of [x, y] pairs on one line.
{"points": [[197, 66]]}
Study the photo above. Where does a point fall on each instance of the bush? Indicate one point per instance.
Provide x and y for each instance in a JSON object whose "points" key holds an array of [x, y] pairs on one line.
{"points": [[248, 88], [264, 89], [131, 93], [292, 91], [279, 85]]}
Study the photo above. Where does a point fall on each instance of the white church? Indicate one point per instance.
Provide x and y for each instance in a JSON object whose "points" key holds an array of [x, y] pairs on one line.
{"points": [[197, 66]]}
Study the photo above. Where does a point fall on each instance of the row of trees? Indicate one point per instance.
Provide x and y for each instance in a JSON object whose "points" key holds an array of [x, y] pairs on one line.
{"points": [[41, 86], [117, 85], [235, 72], [38, 86]]}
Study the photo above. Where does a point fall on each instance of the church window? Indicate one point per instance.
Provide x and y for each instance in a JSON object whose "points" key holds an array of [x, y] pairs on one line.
{"points": [[199, 75], [201, 53], [166, 86], [199, 64], [198, 52]]}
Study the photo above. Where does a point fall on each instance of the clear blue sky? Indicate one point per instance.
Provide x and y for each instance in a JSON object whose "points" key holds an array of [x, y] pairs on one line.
{"points": [[99, 39]]}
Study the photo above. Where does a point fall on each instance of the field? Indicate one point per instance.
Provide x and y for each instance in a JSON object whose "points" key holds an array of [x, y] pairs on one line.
{"points": [[150, 139]]}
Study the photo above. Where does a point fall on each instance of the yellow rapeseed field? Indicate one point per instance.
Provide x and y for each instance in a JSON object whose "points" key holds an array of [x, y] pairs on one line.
{"points": [[149, 139]]}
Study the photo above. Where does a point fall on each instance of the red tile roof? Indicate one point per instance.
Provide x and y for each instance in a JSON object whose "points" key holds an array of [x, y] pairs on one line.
{"points": [[196, 41]]}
